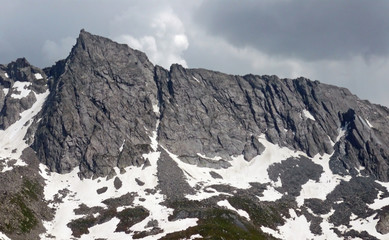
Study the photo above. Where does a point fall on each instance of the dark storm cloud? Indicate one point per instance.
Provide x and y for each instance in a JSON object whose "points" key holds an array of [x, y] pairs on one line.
{"points": [[28, 26], [306, 29]]}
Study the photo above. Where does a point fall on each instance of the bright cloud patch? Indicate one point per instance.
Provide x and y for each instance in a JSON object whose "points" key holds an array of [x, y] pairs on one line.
{"points": [[167, 42]]}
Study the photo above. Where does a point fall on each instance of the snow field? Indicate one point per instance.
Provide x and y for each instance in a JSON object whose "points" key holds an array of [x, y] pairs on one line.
{"points": [[326, 184], [103, 230], [11, 139], [85, 192], [297, 227], [379, 202], [240, 174], [270, 194], [368, 224]]}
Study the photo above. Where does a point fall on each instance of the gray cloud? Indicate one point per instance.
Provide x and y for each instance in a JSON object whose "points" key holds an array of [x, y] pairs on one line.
{"points": [[305, 29], [31, 27]]}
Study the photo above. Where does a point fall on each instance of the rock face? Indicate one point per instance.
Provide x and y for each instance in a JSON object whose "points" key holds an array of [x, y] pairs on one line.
{"points": [[18, 80], [106, 98], [100, 110], [217, 114]]}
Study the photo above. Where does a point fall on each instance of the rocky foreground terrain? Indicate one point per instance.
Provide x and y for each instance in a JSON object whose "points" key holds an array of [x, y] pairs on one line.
{"points": [[105, 145]]}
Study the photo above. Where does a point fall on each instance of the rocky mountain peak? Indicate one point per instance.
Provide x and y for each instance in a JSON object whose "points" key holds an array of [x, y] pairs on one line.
{"points": [[102, 100]]}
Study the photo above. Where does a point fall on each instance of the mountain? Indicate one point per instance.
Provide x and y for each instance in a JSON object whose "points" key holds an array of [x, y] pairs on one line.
{"points": [[105, 145]]}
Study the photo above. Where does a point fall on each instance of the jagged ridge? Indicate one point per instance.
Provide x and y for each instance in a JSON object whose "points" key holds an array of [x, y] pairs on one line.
{"points": [[104, 93]]}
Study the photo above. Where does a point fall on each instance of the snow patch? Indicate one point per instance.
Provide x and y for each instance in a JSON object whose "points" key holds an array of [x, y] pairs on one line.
{"points": [[122, 146], [365, 122], [307, 114], [227, 205], [379, 202], [206, 193], [105, 231], [327, 229], [5, 90], [3, 236], [196, 79], [240, 174], [294, 228], [6, 75], [209, 158], [327, 182], [368, 224], [38, 76], [270, 194], [384, 184], [12, 141], [196, 236], [342, 132], [153, 138], [368, 123], [156, 108], [297, 227], [21, 87]]}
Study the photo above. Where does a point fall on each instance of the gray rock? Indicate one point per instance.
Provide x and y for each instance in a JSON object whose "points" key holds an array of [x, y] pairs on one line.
{"points": [[139, 182], [102, 96], [203, 162], [294, 172], [252, 149], [171, 179], [117, 183], [383, 224], [215, 175], [102, 190], [152, 223]]}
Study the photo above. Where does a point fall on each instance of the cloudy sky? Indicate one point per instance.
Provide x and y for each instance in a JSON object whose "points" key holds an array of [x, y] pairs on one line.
{"points": [[339, 42]]}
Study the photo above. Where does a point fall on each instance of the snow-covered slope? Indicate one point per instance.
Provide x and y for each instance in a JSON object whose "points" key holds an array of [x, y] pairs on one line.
{"points": [[240, 175]]}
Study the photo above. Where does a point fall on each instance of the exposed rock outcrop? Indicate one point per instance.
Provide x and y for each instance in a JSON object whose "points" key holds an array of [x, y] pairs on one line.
{"points": [[100, 110]]}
